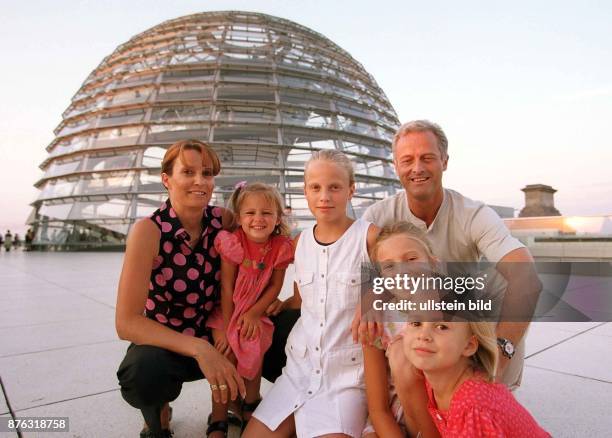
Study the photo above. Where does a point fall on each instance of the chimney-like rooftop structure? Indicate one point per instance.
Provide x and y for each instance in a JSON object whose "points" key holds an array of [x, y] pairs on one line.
{"points": [[539, 201]]}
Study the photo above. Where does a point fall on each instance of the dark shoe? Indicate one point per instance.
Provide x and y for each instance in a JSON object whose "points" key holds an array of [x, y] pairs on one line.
{"points": [[218, 426], [232, 418], [147, 433]]}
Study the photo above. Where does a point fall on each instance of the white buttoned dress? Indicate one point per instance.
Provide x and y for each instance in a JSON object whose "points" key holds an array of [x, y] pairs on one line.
{"points": [[323, 381]]}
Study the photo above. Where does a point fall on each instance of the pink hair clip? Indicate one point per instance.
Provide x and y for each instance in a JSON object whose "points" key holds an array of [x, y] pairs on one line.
{"points": [[240, 185]]}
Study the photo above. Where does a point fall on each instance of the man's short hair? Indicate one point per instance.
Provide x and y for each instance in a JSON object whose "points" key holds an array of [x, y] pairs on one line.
{"points": [[423, 126]]}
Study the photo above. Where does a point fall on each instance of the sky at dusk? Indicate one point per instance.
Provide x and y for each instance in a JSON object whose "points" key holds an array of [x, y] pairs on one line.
{"points": [[522, 89]]}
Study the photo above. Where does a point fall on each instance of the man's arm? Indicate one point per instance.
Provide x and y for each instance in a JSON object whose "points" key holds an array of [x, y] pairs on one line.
{"points": [[520, 298]]}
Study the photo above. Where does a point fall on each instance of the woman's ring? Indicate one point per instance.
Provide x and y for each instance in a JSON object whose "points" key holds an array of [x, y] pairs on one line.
{"points": [[214, 387], [223, 387]]}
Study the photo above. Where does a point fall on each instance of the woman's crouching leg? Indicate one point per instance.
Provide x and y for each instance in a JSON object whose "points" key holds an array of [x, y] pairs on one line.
{"points": [[151, 376]]}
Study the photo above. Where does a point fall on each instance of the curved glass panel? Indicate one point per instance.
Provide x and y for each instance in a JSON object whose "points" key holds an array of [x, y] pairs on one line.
{"points": [[264, 92]]}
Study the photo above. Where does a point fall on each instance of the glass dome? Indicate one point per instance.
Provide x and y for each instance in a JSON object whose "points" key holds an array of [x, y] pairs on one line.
{"points": [[263, 91]]}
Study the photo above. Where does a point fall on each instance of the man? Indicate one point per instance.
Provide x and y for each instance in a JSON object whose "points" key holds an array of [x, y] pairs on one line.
{"points": [[459, 229]]}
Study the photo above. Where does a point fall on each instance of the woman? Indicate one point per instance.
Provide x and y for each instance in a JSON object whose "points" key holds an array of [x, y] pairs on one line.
{"points": [[168, 287]]}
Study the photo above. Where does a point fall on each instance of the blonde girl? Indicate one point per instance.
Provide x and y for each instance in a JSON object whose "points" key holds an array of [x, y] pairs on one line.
{"points": [[396, 245], [321, 391], [458, 360], [253, 262]]}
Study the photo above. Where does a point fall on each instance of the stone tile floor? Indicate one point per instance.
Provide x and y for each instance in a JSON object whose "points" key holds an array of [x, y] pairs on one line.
{"points": [[59, 353]]}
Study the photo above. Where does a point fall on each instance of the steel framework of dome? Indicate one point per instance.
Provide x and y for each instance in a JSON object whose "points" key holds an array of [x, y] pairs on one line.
{"points": [[263, 91]]}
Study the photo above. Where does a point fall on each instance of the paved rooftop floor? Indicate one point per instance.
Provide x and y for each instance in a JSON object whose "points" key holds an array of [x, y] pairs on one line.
{"points": [[59, 353]]}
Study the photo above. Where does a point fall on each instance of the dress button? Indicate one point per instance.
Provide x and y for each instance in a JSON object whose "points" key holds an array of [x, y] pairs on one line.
{"points": [[323, 251], [295, 406], [322, 275], [318, 371], [439, 417], [352, 359], [317, 348], [321, 299], [321, 324], [309, 392], [353, 281]]}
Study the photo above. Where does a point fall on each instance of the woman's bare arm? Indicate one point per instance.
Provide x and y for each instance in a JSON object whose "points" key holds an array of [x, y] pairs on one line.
{"points": [[132, 325], [130, 322]]}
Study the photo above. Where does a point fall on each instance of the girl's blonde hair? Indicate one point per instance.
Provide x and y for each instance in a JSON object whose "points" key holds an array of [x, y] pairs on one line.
{"points": [[333, 156], [269, 193], [487, 355], [402, 228]]}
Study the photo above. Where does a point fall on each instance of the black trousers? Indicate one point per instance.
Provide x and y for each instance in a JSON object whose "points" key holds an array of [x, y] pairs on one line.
{"points": [[151, 376]]}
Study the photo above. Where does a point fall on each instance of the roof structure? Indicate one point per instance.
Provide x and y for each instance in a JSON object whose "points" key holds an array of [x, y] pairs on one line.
{"points": [[263, 91]]}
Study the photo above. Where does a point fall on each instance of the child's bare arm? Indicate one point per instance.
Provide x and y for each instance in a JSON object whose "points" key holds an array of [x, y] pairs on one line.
{"points": [[270, 293], [377, 391], [228, 281]]}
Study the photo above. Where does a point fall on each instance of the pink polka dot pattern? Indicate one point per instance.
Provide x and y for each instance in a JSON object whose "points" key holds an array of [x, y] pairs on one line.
{"points": [[482, 409], [200, 259], [184, 283], [179, 259], [157, 261], [160, 280], [189, 332], [167, 273], [150, 305]]}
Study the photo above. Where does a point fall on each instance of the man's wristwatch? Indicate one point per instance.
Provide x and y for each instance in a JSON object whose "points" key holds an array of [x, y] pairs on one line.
{"points": [[507, 347]]}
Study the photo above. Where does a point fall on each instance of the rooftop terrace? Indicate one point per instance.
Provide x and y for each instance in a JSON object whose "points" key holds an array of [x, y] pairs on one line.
{"points": [[59, 353]]}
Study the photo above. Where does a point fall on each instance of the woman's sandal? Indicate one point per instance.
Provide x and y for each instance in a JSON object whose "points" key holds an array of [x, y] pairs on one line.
{"points": [[232, 418], [249, 408], [218, 426]]}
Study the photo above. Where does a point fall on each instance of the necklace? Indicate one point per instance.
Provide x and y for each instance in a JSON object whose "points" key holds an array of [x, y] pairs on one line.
{"points": [[253, 262]]}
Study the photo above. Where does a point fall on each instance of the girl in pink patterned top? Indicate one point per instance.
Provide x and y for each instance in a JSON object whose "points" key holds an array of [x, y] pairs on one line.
{"points": [[458, 361], [253, 263]]}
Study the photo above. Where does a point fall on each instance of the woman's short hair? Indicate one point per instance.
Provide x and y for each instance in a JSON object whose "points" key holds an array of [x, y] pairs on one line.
{"points": [[178, 149]]}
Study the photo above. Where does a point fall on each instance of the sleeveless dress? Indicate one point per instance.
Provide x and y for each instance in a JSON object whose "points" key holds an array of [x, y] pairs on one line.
{"points": [[323, 381], [184, 285], [256, 262]]}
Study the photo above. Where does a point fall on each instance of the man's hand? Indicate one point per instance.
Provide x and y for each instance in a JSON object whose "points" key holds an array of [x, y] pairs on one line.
{"points": [[250, 325]]}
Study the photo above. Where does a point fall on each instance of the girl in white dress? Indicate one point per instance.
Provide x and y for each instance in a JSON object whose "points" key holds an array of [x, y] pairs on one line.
{"points": [[321, 392]]}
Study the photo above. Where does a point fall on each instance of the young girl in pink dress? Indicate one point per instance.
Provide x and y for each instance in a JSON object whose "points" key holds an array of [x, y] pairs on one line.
{"points": [[253, 263]]}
